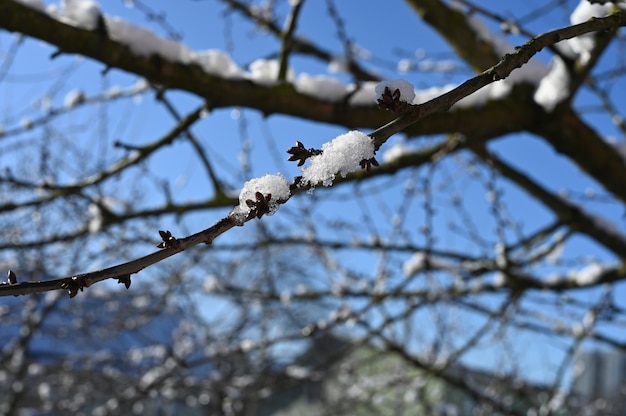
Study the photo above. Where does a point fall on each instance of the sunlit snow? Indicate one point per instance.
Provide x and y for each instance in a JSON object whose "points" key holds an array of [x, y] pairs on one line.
{"points": [[276, 185], [406, 89], [554, 87], [552, 83], [265, 72], [583, 45], [363, 94], [395, 151], [339, 156], [588, 275], [145, 42], [216, 62], [73, 98], [85, 14], [321, 86]]}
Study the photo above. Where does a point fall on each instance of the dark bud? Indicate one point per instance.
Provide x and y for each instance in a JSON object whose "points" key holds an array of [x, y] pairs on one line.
{"points": [[390, 100], [73, 285], [260, 205], [301, 154], [12, 278], [368, 163], [169, 241], [125, 280]]}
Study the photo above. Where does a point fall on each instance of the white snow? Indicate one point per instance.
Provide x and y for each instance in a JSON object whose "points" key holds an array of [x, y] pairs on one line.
{"points": [[216, 62], [212, 284], [276, 185], [85, 14], [500, 45], [405, 65], [551, 90], [339, 156], [140, 85], [73, 98], [414, 264], [265, 72], [417, 262], [298, 372], [338, 64], [321, 86], [395, 151], [499, 279], [531, 73], [587, 275], [145, 42], [95, 218], [406, 89], [501, 257], [554, 87], [363, 93], [113, 92], [422, 96], [445, 65], [556, 254], [583, 45]]}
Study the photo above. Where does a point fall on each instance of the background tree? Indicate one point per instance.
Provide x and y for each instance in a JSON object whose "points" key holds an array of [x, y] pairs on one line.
{"points": [[487, 232]]}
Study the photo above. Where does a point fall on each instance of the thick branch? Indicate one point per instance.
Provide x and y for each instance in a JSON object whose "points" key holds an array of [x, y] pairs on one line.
{"points": [[497, 72], [300, 45], [453, 25], [571, 136], [603, 233]]}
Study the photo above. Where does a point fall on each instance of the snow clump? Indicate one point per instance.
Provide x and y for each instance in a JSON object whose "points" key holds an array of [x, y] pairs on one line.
{"points": [[321, 86], [554, 87], [85, 14], [216, 62], [265, 72], [339, 156], [276, 185], [74, 98]]}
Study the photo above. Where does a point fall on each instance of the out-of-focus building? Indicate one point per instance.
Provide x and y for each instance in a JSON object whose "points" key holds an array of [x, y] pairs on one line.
{"points": [[600, 380]]}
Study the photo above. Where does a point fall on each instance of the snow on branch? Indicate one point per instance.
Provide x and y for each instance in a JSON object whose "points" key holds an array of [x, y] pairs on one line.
{"points": [[120, 44], [262, 195], [502, 70], [339, 156]]}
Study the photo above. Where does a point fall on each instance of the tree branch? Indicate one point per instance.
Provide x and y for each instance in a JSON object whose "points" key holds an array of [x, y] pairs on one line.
{"points": [[501, 70], [603, 233]]}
